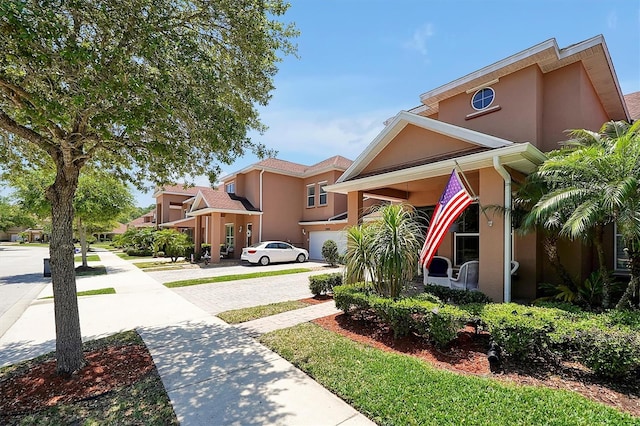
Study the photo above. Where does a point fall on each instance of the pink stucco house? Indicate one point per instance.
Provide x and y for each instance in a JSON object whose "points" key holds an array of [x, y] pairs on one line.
{"points": [[495, 124], [270, 200]]}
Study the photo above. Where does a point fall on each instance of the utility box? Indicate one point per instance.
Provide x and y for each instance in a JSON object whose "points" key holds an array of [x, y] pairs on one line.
{"points": [[47, 267]]}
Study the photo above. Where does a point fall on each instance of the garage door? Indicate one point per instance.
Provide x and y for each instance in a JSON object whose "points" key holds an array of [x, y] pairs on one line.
{"points": [[317, 239]]}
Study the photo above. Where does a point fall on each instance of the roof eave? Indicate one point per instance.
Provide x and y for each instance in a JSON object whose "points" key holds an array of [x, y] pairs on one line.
{"points": [[514, 156]]}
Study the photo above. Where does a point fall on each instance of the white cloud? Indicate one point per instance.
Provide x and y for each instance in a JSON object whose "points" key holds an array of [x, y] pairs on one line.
{"points": [[419, 39], [312, 136], [612, 20]]}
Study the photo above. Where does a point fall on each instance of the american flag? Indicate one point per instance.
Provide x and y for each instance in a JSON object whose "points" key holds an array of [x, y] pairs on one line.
{"points": [[453, 201]]}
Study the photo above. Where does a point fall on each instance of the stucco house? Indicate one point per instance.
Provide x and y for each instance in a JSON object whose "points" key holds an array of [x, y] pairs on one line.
{"points": [[272, 199], [495, 126]]}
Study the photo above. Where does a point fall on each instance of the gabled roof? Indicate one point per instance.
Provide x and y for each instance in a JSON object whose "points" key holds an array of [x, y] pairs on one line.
{"points": [[178, 190], [140, 222], [221, 202], [404, 118], [188, 222], [523, 157], [633, 104], [274, 165], [549, 57]]}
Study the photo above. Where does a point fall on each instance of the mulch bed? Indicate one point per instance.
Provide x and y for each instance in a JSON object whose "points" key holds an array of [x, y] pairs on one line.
{"points": [[468, 355], [38, 387]]}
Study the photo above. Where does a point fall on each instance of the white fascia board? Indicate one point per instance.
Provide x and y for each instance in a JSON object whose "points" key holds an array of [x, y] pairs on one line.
{"points": [[230, 211], [404, 118], [551, 43], [259, 168], [475, 161], [324, 222], [199, 197]]}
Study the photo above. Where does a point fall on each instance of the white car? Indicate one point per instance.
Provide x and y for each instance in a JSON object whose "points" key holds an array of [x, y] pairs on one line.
{"points": [[272, 252]]}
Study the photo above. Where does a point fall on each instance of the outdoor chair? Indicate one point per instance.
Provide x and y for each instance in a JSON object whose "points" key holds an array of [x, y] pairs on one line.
{"points": [[439, 271], [467, 277], [514, 266], [226, 252]]}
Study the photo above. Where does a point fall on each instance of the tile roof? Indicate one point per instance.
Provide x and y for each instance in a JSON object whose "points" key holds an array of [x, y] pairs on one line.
{"points": [[180, 189], [283, 165], [288, 167], [224, 201], [120, 229], [337, 161], [139, 222], [633, 104]]}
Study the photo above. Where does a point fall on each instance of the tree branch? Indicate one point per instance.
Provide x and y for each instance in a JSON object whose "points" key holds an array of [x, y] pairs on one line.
{"points": [[8, 124]]}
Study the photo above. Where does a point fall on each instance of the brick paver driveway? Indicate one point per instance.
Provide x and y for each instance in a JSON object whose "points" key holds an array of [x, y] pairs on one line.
{"points": [[219, 297]]}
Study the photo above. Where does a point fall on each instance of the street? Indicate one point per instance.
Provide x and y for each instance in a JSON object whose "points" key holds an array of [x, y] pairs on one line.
{"points": [[21, 280]]}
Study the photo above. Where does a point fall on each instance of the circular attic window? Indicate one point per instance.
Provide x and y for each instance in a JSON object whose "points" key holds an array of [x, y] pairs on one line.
{"points": [[482, 99]]}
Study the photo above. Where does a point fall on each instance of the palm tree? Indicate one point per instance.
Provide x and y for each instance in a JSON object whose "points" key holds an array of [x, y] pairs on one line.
{"points": [[386, 250], [594, 179], [358, 257]]}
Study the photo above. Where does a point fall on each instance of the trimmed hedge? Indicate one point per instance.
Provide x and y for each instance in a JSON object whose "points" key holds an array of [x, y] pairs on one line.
{"points": [[455, 296], [324, 283], [608, 344], [434, 321]]}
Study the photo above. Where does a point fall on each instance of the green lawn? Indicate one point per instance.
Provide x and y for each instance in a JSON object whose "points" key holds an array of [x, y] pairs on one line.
{"points": [[395, 389], [223, 278], [90, 258], [237, 316], [162, 264], [144, 402], [125, 256], [93, 270], [96, 292]]}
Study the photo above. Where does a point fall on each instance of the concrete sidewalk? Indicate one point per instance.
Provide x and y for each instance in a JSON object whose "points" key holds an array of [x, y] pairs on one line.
{"points": [[214, 373]]}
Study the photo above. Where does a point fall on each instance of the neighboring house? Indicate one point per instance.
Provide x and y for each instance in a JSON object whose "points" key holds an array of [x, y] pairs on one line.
{"points": [[273, 200], [144, 221], [29, 235], [270, 200], [495, 124]]}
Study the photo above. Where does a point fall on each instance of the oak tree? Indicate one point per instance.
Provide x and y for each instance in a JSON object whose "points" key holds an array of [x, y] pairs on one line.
{"points": [[150, 90]]}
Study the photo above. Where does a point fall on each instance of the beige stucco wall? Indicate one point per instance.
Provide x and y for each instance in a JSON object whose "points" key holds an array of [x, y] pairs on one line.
{"points": [[282, 208], [336, 203], [164, 212], [519, 98], [570, 102], [491, 236], [414, 143]]}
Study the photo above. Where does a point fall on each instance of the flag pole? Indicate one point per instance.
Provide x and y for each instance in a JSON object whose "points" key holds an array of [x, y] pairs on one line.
{"points": [[475, 197]]}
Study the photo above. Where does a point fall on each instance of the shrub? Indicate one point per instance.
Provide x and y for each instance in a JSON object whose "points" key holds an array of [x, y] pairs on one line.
{"points": [[610, 353], [324, 283], [434, 321], [138, 252], [330, 252], [522, 331], [455, 296]]}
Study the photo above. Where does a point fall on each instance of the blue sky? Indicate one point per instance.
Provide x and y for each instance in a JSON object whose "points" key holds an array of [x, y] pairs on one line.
{"points": [[362, 61]]}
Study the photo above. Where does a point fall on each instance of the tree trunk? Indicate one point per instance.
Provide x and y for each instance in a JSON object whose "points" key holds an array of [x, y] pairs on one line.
{"points": [[606, 281], [82, 233], [633, 289], [550, 245], [67, 319]]}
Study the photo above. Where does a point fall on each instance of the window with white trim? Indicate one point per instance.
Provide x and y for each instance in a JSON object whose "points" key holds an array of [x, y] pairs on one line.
{"points": [[483, 98], [467, 236], [230, 188], [229, 235], [621, 261], [311, 195], [322, 196]]}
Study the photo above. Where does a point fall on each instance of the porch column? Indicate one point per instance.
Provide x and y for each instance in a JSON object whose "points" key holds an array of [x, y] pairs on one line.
{"points": [[354, 208], [491, 279], [197, 234], [215, 236]]}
